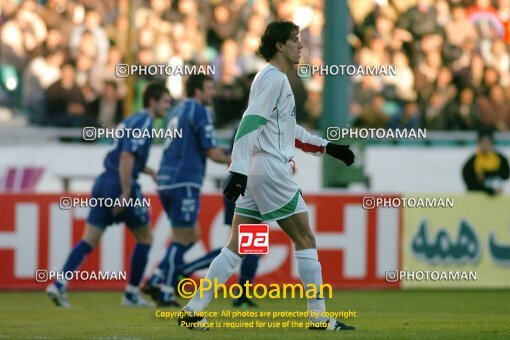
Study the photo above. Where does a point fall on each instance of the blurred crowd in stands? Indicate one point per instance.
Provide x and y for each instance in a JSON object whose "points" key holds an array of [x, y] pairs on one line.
{"points": [[58, 58], [452, 61]]}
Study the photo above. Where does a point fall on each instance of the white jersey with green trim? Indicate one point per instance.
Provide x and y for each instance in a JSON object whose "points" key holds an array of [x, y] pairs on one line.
{"points": [[269, 123]]}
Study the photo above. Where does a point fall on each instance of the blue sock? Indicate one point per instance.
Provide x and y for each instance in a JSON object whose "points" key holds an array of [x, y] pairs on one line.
{"points": [[138, 262], [157, 277], [74, 260], [174, 258], [248, 269], [200, 263]]}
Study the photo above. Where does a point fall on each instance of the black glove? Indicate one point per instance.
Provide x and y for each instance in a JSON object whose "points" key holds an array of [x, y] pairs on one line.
{"points": [[236, 184], [341, 152]]}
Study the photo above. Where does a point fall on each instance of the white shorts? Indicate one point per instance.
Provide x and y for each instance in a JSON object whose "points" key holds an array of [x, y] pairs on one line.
{"points": [[271, 193]]}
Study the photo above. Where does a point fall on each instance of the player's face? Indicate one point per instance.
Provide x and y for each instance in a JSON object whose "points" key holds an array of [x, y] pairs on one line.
{"points": [[292, 48], [162, 106], [485, 144], [208, 93]]}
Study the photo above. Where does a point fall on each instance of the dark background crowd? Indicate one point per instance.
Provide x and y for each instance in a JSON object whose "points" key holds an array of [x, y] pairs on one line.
{"points": [[58, 57]]}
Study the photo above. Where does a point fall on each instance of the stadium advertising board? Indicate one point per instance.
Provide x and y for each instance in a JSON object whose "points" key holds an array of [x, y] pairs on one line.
{"points": [[469, 237], [356, 246]]}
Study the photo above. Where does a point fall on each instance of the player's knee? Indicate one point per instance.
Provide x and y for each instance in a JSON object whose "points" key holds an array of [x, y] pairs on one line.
{"points": [[305, 241], [234, 249], [196, 236], [143, 235], [92, 242]]}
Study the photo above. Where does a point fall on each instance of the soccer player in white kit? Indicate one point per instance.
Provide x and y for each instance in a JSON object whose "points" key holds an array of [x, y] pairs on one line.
{"points": [[261, 171]]}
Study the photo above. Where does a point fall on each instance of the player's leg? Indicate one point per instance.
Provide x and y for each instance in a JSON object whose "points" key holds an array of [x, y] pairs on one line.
{"points": [[279, 198], [98, 219], [137, 219], [247, 272], [309, 267], [202, 262], [179, 244], [139, 256], [221, 269], [182, 206], [183, 237], [57, 290], [249, 264]]}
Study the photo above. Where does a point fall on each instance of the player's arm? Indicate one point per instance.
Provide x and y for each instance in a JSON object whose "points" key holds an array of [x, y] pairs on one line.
{"points": [[262, 104], [132, 147], [126, 165], [317, 146], [218, 155], [151, 172], [207, 139]]}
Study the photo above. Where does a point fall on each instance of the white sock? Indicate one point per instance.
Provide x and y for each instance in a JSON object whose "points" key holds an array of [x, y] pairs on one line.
{"points": [[221, 269], [64, 283], [158, 272], [309, 269], [132, 289]]}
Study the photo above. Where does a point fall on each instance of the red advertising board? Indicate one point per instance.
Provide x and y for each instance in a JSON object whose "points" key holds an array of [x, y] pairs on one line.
{"points": [[356, 246]]}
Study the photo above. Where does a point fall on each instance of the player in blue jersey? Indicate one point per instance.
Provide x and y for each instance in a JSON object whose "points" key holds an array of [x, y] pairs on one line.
{"points": [[122, 164], [180, 177]]}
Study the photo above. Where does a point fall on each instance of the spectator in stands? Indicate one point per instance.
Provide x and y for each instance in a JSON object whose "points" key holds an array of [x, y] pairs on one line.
{"points": [[228, 59], [435, 117], [37, 77], [101, 74], [223, 25], [404, 81], [495, 109], [504, 16], [472, 76], [485, 17], [408, 119], [418, 22], [313, 104], [444, 85], [460, 28], [229, 101], [487, 169], [20, 36], [464, 114], [312, 38], [373, 116], [424, 38], [93, 26], [65, 103], [498, 58], [107, 109], [490, 79], [426, 76]]}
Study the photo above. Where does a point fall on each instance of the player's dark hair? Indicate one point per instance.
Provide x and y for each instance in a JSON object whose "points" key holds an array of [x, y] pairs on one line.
{"points": [[153, 91], [276, 32], [196, 81], [486, 133]]}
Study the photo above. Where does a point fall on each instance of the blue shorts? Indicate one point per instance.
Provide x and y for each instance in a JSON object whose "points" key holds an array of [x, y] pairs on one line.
{"points": [[107, 185], [181, 205]]}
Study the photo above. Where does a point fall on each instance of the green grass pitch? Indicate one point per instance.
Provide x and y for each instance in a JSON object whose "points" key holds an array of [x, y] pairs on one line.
{"points": [[445, 314]]}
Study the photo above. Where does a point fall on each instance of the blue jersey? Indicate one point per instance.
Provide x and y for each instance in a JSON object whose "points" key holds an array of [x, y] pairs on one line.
{"points": [[184, 159], [139, 147]]}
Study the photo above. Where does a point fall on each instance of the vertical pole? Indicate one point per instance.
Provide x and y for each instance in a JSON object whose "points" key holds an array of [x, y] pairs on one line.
{"points": [[336, 95], [129, 102]]}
